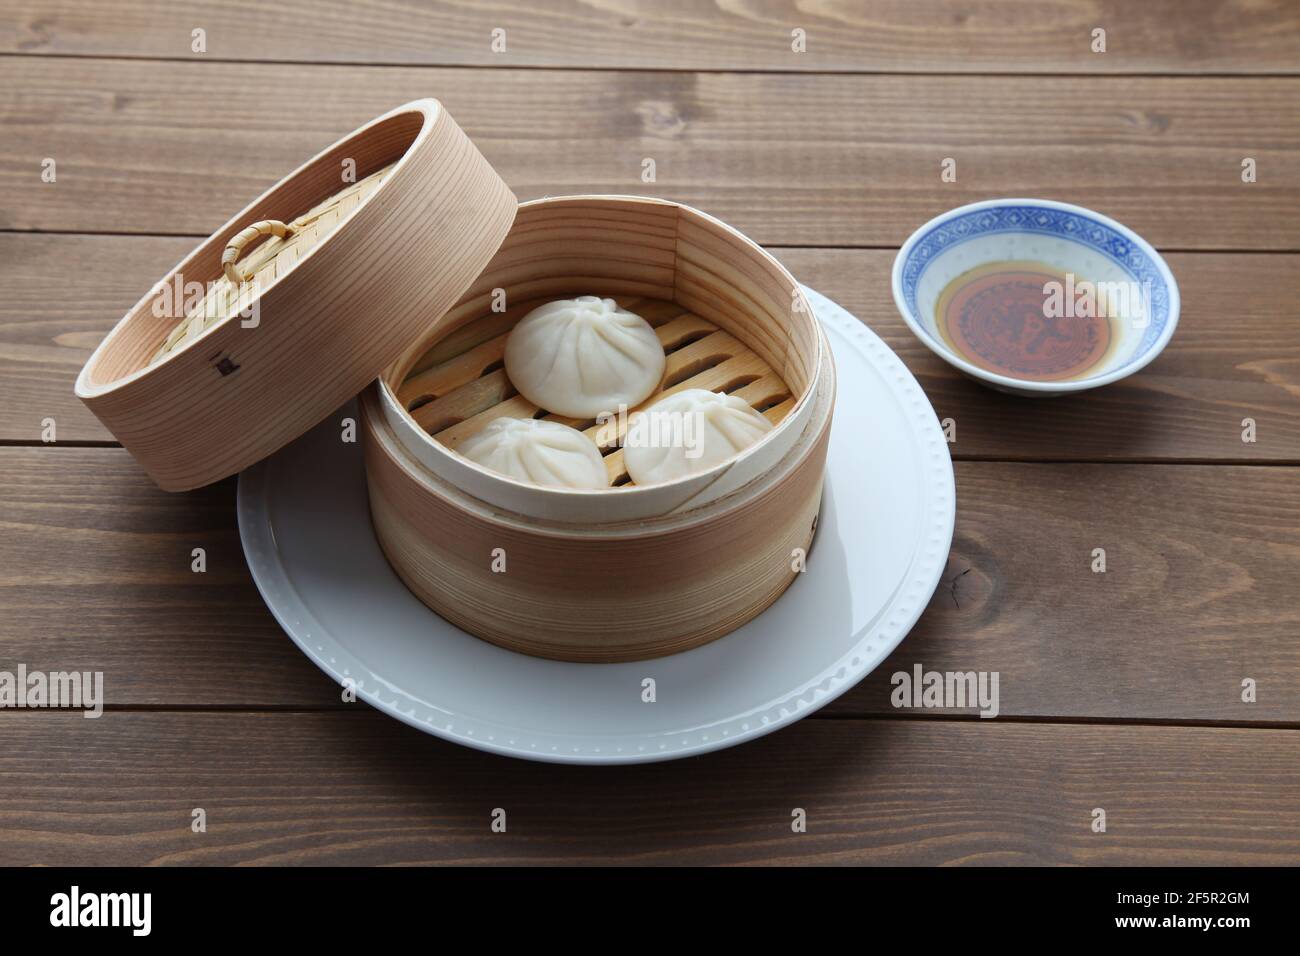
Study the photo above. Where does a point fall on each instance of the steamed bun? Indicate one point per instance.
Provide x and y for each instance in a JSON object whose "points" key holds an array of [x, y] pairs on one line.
{"points": [[540, 452], [689, 432], [581, 357]]}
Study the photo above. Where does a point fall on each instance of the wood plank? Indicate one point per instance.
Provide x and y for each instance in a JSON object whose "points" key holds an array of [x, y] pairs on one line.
{"points": [[358, 788], [173, 147], [1197, 595], [97, 575], [1156, 36], [62, 296], [1236, 353]]}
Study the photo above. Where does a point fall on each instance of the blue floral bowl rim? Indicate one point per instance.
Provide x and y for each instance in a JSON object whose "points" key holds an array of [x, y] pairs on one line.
{"points": [[936, 346]]}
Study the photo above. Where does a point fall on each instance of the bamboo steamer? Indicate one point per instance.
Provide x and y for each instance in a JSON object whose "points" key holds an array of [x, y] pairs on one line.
{"points": [[327, 312], [629, 572], [397, 271]]}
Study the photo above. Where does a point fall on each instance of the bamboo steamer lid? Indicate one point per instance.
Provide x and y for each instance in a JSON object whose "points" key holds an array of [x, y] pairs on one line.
{"points": [[299, 301]]}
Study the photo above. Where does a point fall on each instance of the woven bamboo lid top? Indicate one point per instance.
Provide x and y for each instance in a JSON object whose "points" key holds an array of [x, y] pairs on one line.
{"points": [[246, 274]]}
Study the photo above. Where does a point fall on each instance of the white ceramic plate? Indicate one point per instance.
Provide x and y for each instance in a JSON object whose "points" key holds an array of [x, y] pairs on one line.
{"points": [[882, 542]]}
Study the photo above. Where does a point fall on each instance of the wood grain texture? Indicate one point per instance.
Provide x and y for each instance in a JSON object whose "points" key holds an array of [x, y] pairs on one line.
{"points": [[149, 147], [358, 788], [323, 328], [151, 138], [627, 246], [1166, 36], [1202, 562], [51, 319], [97, 575], [1200, 565], [598, 592], [1236, 353]]}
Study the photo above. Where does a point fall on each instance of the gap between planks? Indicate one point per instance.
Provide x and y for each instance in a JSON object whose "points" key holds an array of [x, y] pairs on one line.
{"points": [[620, 68], [932, 716], [956, 456]]}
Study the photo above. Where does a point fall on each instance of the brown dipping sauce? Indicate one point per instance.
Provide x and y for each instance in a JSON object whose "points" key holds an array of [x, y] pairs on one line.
{"points": [[996, 316]]}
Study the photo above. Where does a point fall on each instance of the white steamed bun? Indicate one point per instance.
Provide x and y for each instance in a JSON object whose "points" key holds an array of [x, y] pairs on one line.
{"points": [[581, 357], [688, 432], [541, 452]]}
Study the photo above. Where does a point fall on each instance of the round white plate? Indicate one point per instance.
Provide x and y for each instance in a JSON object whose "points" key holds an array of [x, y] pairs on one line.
{"points": [[881, 545]]}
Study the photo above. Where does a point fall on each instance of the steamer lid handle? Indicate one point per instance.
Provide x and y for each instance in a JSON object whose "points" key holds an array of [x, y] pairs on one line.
{"points": [[237, 245]]}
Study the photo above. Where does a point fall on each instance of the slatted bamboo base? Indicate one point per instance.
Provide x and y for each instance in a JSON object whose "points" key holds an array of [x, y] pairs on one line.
{"points": [[460, 385]]}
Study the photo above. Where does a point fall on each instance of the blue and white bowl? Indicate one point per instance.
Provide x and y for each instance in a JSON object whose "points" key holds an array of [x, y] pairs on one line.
{"points": [[1069, 238]]}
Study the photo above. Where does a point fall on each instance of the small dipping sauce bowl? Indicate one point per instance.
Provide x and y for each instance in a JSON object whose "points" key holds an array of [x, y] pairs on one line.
{"points": [[1035, 297]]}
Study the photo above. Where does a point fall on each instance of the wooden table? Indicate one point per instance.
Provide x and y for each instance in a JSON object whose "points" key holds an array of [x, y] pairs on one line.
{"points": [[1120, 691]]}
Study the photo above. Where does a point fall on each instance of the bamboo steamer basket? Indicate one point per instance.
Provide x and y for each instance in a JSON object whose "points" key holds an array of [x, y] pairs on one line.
{"points": [[328, 303], [630, 572], [325, 282]]}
